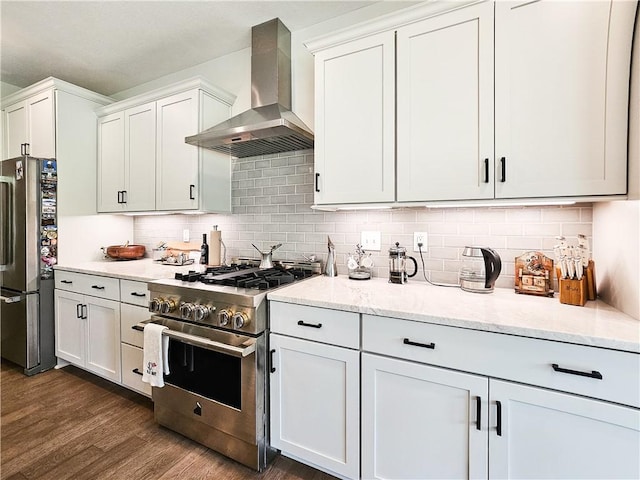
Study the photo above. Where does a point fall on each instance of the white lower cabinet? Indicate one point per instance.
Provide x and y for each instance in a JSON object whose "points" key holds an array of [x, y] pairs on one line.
{"points": [[88, 332], [422, 422], [315, 389], [543, 434]]}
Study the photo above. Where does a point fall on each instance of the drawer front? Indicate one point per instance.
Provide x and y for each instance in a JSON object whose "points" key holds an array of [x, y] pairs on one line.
{"points": [[70, 281], [129, 316], [131, 365], [318, 324], [94, 285], [520, 359], [135, 293]]}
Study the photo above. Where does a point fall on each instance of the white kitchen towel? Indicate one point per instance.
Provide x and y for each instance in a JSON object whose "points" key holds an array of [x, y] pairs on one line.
{"points": [[155, 355]]}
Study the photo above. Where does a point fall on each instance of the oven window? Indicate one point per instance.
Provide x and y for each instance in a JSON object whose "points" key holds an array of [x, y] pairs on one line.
{"points": [[211, 374]]}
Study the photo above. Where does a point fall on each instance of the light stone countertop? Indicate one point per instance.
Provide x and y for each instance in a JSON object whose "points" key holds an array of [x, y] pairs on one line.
{"points": [[503, 311], [143, 270]]}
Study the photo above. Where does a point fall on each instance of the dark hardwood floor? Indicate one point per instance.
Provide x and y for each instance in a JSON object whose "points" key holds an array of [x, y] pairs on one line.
{"points": [[69, 424]]}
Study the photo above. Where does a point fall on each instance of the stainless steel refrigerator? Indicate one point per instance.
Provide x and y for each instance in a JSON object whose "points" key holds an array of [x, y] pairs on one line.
{"points": [[28, 251]]}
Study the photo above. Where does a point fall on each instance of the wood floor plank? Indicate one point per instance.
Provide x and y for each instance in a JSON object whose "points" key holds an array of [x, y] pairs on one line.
{"points": [[70, 424]]}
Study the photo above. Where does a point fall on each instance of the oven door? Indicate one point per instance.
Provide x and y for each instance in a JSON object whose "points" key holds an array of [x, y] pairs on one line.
{"points": [[214, 380]]}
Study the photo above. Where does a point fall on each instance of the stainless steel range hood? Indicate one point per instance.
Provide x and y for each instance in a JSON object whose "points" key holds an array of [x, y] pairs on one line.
{"points": [[270, 126]]}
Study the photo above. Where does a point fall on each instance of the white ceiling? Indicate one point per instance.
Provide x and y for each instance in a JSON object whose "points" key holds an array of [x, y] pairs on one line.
{"points": [[110, 46]]}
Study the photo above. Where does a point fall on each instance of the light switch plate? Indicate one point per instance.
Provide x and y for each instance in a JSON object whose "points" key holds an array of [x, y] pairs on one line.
{"points": [[419, 237], [370, 241], [185, 235]]}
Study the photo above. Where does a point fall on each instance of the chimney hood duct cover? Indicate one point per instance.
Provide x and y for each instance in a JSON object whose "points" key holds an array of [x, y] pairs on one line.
{"points": [[270, 126]]}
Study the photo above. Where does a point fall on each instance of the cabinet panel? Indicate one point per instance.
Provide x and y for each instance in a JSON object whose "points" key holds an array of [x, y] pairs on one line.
{"points": [[355, 137], [70, 328], [552, 84], [177, 162], [15, 124], [421, 422], [445, 106], [554, 435], [111, 162], [103, 337], [41, 125], [314, 404], [140, 157]]}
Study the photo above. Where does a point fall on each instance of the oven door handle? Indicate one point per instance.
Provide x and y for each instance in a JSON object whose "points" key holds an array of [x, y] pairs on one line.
{"points": [[240, 352]]}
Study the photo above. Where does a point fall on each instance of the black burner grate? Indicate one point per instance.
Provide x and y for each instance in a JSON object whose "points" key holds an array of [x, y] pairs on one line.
{"points": [[246, 276]]}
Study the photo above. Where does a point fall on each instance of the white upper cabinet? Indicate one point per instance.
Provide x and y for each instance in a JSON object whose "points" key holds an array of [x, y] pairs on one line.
{"points": [[145, 164], [126, 160], [355, 138], [445, 106], [31, 122], [177, 161], [495, 100], [562, 83]]}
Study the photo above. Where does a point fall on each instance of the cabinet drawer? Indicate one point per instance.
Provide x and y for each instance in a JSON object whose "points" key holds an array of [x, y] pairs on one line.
{"points": [[133, 292], [319, 324], [129, 316], [94, 285], [131, 365], [520, 359]]}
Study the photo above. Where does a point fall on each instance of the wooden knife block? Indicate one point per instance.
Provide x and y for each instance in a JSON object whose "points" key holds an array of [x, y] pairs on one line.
{"points": [[573, 292]]}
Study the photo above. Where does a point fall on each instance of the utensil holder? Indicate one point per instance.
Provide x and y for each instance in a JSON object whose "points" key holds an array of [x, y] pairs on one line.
{"points": [[573, 292]]}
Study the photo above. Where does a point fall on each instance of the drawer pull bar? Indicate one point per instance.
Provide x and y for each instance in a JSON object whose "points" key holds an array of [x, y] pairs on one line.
{"points": [[272, 369], [68, 282], [478, 412], [313, 325], [499, 419], [137, 372], [592, 374], [97, 287], [136, 294], [417, 344]]}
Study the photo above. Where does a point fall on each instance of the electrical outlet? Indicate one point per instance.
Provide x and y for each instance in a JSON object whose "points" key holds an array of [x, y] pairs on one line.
{"points": [[370, 240], [419, 237], [185, 235]]}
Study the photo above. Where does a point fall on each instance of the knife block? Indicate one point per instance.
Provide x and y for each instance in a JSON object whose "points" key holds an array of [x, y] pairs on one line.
{"points": [[573, 292]]}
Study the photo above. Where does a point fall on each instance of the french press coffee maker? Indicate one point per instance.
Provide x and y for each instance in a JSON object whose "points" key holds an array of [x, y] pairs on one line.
{"points": [[397, 264]]}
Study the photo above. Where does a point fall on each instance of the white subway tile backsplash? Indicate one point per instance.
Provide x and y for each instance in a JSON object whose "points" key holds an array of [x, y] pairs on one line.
{"points": [[271, 200]]}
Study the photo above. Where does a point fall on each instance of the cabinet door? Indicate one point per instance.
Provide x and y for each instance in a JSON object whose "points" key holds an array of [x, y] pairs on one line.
{"points": [[547, 434], [140, 157], [41, 125], [315, 399], [445, 106], [422, 422], [103, 337], [111, 162], [561, 83], [177, 162], [355, 127], [15, 120], [70, 327]]}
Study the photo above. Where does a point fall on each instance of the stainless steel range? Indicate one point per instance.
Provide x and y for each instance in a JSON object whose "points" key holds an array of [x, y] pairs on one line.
{"points": [[216, 392]]}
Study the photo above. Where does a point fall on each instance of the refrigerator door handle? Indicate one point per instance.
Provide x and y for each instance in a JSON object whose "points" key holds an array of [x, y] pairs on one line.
{"points": [[13, 299], [6, 222]]}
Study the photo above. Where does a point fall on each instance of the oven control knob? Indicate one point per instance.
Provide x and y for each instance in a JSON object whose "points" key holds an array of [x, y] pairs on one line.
{"points": [[224, 316], [167, 306], [202, 312], [154, 305], [186, 310], [240, 319]]}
